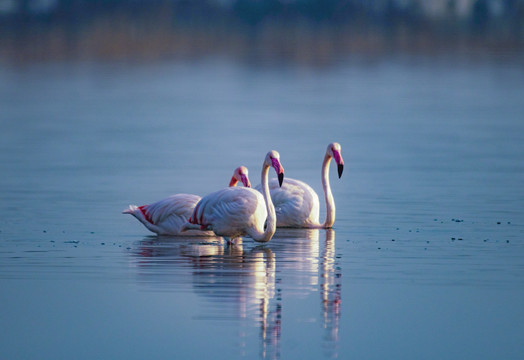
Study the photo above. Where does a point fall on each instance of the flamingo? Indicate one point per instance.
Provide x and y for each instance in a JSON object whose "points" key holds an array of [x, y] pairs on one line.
{"points": [[234, 212], [167, 216], [297, 204]]}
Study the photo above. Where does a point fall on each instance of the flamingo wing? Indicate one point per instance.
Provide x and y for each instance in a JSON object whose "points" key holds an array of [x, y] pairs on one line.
{"points": [[296, 203], [230, 211], [181, 205]]}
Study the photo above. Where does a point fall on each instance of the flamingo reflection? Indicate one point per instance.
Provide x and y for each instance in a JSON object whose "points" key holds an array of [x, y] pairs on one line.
{"points": [[239, 283], [330, 291], [299, 249], [248, 282]]}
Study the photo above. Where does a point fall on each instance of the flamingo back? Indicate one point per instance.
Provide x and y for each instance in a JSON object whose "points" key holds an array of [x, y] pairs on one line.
{"points": [[167, 216], [296, 203], [179, 204], [231, 212]]}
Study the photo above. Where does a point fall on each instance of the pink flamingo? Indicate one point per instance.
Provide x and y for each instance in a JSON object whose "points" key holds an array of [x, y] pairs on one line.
{"points": [[234, 212], [167, 216], [297, 204]]}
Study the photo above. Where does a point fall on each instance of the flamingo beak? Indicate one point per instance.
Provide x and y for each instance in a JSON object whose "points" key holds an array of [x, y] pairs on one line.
{"points": [[279, 169], [233, 181], [339, 161], [245, 181]]}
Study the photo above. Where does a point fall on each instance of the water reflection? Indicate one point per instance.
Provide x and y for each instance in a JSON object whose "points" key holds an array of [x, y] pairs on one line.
{"points": [[240, 282], [243, 281], [299, 249], [330, 290]]}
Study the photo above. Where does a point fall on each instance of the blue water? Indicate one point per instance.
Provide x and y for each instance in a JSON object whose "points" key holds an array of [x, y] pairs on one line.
{"points": [[426, 258]]}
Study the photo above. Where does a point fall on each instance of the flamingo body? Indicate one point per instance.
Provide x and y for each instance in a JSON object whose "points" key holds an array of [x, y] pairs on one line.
{"points": [[167, 216], [296, 203], [235, 212], [170, 215], [231, 211]]}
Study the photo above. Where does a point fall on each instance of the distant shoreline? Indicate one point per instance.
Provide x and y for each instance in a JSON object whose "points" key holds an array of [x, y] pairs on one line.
{"points": [[158, 35]]}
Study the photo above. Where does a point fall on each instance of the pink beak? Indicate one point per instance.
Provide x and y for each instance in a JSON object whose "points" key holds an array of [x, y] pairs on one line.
{"points": [[279, 169], [339, 161], [245, 181]]}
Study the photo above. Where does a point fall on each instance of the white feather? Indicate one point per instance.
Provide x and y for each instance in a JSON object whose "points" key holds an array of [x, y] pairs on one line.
{"points": [[235, 212]]}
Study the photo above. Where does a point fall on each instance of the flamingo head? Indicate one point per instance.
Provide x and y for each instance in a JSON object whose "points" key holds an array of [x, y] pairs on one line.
{"points": [[334, 151], [273, 159], [240, 174]]}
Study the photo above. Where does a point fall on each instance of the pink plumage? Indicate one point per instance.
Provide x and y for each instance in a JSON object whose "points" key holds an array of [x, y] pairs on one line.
{"points": [[296, 203], [168, 216], [235, 212]]}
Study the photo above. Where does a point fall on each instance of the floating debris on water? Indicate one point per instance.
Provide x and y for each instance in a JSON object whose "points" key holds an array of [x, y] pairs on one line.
{"points": [[457, 220], [498, 222], [71, 242]]}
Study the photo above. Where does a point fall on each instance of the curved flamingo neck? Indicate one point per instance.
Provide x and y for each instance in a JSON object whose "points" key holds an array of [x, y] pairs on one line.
{"points": [[271, 221], [330, 202]]}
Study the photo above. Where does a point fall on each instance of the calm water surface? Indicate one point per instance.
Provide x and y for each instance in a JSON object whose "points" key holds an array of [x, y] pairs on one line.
{"points": [[426, 259]]}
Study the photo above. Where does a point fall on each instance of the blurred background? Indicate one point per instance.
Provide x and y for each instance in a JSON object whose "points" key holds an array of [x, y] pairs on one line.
{"points": [[116, 102], [303, 31]]}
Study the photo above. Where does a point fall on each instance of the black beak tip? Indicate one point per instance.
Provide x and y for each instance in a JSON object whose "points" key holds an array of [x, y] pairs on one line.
{"points": [[340, 169], [280, 179]]}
